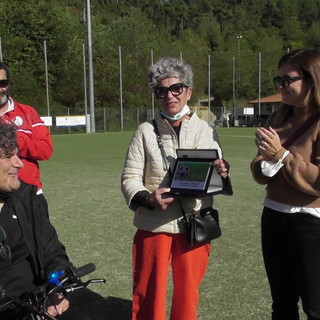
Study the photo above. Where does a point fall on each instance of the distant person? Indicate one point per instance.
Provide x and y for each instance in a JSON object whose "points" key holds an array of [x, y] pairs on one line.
{"points": [[288, 162], [161, 240], [33, 136]]}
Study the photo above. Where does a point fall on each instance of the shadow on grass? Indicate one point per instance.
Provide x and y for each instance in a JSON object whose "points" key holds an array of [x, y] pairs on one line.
{"points": [[99, 308]]}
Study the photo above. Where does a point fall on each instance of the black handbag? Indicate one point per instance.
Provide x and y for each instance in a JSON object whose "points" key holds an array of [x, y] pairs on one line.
{"points": [[203, 226]]}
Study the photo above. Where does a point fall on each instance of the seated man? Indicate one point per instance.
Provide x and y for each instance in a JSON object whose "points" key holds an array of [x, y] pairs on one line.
{"points": [[29, 245]]}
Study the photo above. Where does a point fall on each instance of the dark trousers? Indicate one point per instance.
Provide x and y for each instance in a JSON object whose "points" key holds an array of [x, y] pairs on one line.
{"points": [[291, 252]]}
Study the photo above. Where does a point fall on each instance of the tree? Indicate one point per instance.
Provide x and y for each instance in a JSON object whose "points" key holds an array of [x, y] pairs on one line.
{"points": [[193, 29], [313, 36], [24, 30]]}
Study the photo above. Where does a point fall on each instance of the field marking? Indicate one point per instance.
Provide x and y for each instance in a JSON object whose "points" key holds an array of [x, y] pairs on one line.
{"points": [[235, 136]]}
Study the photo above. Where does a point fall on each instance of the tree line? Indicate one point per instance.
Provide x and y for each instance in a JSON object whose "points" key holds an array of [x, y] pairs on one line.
{"points": [[231, 33]]}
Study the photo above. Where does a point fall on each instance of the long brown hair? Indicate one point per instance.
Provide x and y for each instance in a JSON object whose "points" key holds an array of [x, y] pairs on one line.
{"points": [[307, 61]]}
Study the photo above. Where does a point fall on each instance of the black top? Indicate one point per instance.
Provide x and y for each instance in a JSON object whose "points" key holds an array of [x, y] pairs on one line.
{"points": [[16, 273], [33, 241]]}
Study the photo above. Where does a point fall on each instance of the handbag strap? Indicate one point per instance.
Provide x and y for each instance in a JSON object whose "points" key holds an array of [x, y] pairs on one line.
{"points": [[166, 164], [299, 131], [186, 219]]}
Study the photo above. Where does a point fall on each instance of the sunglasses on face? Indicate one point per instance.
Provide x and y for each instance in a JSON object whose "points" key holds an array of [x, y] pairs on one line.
{"points": [[176, 89], [285, 81], [4, 83], [5, 252]]}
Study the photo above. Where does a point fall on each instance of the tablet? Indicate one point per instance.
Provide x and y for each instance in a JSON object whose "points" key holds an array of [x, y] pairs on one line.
{"points": [[194, 174]]}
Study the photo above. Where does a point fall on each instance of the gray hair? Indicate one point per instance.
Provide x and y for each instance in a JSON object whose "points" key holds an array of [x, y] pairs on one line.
{"points": [[170, 68]]}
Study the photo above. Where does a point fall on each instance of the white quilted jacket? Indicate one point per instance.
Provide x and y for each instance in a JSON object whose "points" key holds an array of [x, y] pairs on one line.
{"points": [[143, 170]]}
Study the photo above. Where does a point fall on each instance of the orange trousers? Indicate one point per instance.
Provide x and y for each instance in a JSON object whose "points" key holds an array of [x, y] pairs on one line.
{"points": [[153, 253]]}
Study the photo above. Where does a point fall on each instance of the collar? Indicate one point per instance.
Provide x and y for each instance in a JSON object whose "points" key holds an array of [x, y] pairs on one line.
{"points": [[10, 106], [5, 195], [185, 110]]}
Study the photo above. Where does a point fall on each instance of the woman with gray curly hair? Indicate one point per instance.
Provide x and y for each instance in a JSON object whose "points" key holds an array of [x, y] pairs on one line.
{"points": [[160, 240]]}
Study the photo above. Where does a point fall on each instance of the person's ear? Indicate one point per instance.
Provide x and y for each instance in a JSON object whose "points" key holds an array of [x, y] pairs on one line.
{"points": [[189, 94]]}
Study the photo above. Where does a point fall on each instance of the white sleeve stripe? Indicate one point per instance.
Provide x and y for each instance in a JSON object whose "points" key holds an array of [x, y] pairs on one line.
{"points": [[26, 131], [34, 125], [38, 124]]}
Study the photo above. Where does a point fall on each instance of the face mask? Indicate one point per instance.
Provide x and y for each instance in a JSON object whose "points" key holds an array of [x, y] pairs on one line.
{"points": [[177, 116]]}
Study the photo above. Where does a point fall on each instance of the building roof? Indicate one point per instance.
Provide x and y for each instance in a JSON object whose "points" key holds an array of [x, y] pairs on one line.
{"points": [[275, 98]]}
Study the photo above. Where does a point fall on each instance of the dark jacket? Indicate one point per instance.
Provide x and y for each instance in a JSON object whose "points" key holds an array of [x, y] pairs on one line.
{"points": [[46, 252]]}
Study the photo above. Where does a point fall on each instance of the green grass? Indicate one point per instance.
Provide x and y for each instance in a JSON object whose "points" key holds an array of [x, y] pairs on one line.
{"points": [[82, 185]]}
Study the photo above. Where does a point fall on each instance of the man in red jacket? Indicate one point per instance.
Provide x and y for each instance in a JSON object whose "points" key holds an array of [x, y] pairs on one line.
{"points": [[33, 136]]}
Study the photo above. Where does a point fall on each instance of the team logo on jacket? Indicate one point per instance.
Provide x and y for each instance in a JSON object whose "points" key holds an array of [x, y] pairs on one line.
{"points": [[18, 121]]}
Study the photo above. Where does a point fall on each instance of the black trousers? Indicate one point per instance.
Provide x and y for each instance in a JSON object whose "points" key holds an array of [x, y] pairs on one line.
{"points": [[291, 252]]}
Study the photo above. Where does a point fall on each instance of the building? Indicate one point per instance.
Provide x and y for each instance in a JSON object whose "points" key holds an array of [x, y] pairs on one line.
{"points": [[267, 106], [202, 109], [204, 113]]}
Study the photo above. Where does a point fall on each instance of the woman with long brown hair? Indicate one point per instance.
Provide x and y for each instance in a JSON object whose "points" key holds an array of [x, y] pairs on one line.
{"points": [[288, 163]]}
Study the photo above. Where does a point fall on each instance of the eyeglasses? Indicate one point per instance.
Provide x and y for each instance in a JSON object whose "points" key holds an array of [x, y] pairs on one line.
{"points": [[4, 83], [5, 252], [285, 81], [176, 89]]}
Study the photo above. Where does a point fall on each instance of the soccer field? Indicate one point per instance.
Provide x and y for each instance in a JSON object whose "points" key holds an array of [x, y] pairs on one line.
{"points": [[82, 186]]}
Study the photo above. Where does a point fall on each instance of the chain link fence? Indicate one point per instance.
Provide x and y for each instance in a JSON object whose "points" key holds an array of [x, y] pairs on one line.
{"points": [[106, 119]]}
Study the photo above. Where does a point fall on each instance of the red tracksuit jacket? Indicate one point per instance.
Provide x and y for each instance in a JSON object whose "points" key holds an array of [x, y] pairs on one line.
{"points": [[33, 138]]}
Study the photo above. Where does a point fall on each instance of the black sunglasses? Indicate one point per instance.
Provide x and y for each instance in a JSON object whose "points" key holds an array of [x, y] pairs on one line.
{"points": [[4, 83], [5, 252], [285, 81], [176, 89]]}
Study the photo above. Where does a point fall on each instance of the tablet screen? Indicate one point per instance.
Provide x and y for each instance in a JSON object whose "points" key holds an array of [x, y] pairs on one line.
{"points": [[191, 175]]}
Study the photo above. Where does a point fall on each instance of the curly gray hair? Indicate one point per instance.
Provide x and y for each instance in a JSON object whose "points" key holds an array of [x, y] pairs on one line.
{"points": [[170, 68]]}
